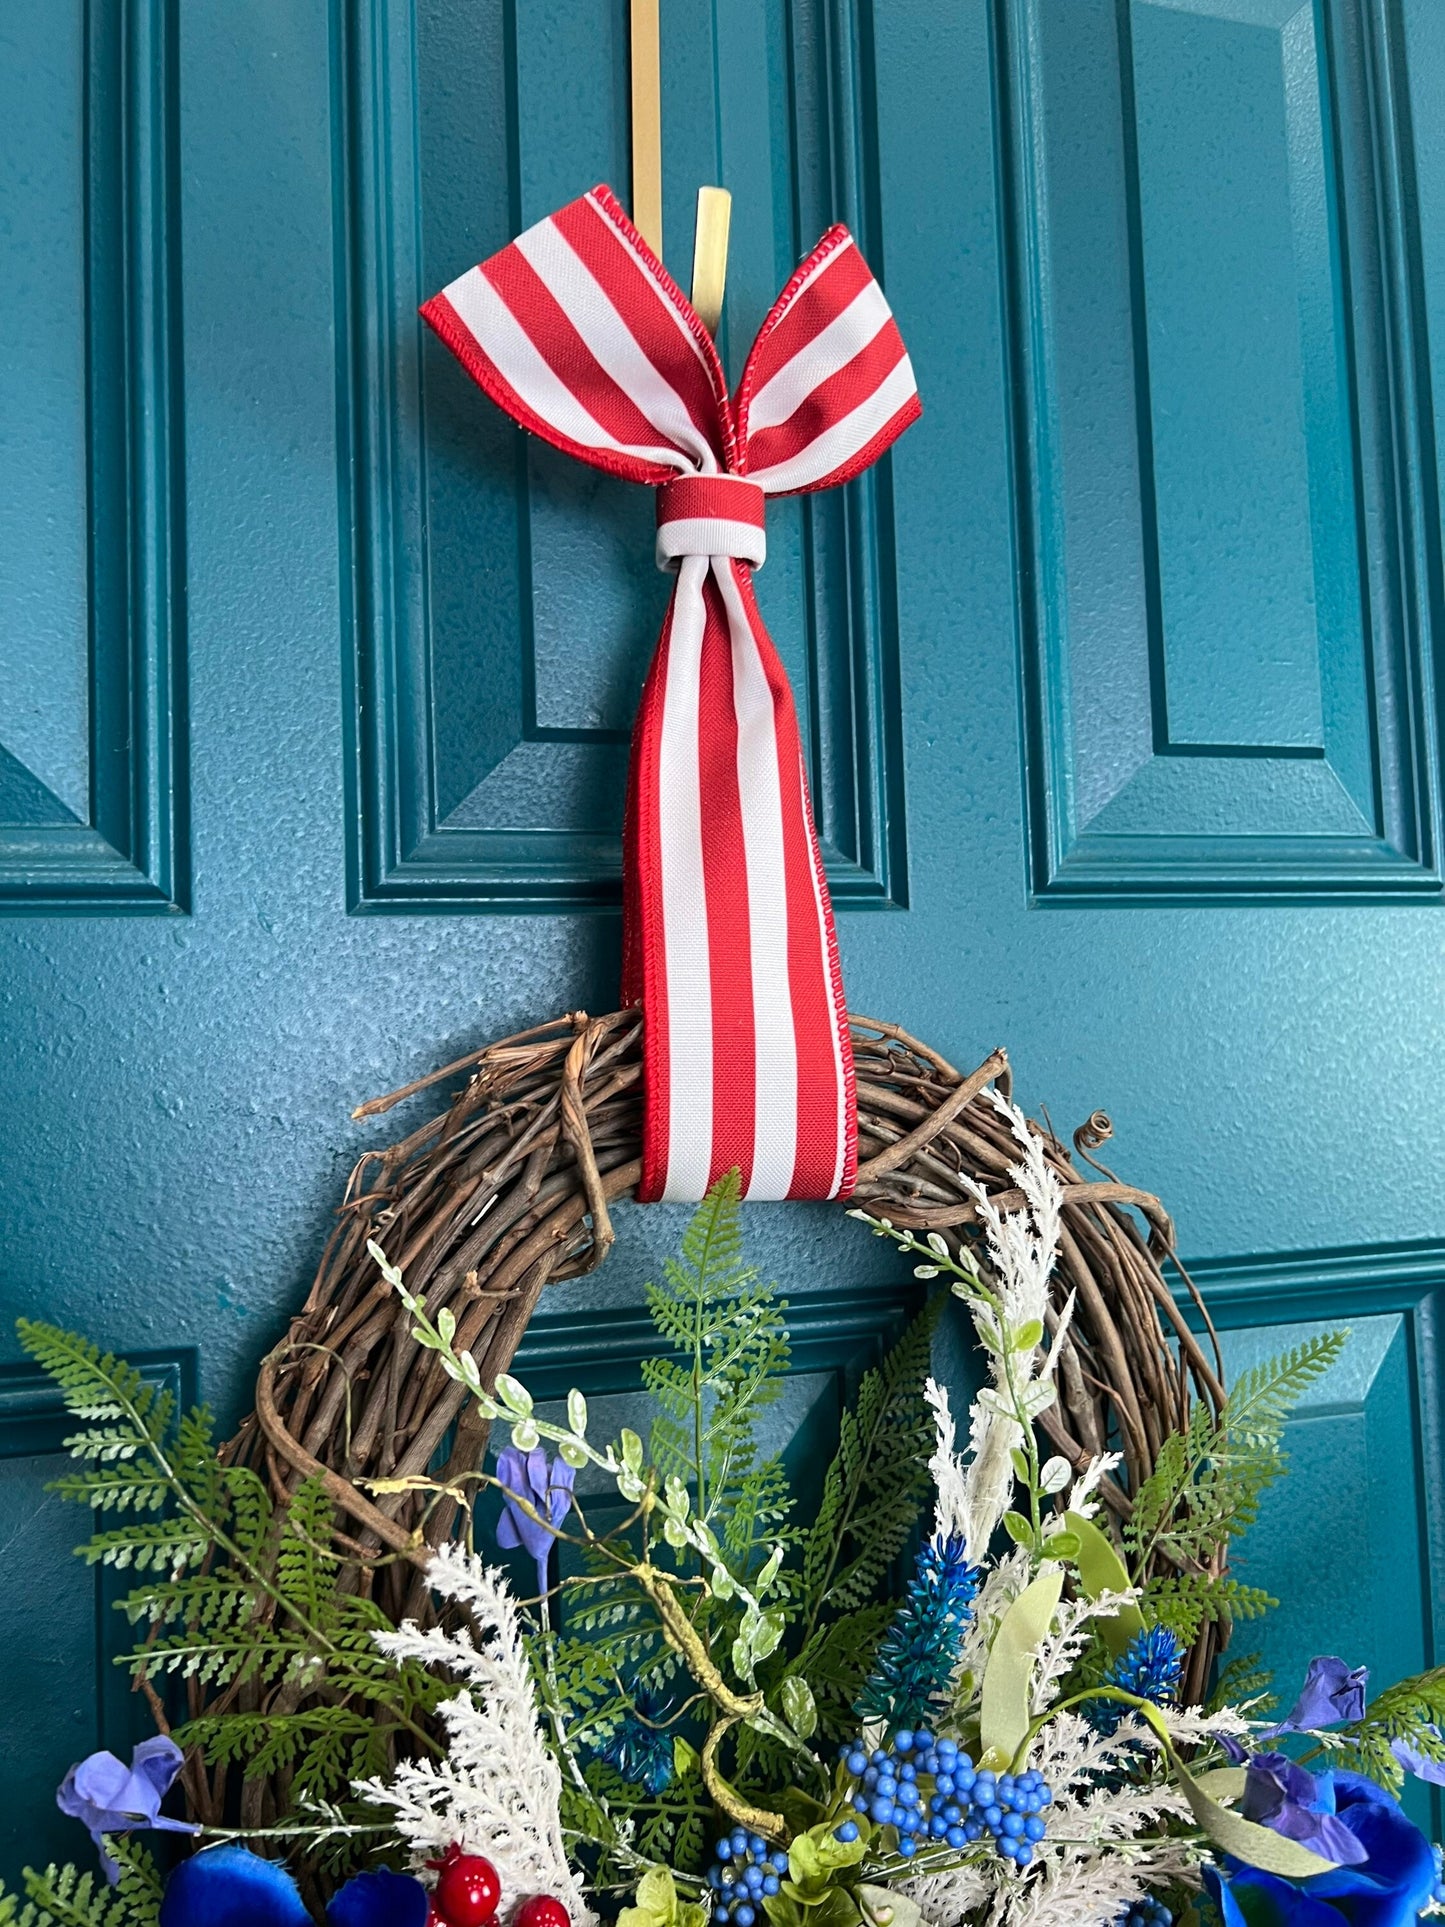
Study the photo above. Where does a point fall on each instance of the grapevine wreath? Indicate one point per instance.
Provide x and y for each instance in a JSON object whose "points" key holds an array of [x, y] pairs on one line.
{"points": [[509, 1189]]}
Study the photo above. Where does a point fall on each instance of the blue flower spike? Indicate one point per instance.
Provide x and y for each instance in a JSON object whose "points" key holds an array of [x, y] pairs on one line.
{"points": [[919, 1652], [233, 1887]]}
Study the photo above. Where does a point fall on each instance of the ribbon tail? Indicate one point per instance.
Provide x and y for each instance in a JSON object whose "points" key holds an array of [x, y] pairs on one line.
{"points": [[730, 944]]}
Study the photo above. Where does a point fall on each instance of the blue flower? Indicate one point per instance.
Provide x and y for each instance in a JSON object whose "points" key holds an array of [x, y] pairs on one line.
{"points": [[1332, 1692], [232, 1887], [1385, 1889], [1150, 1668], [109, 1797], [546, 1485], [1281, 1795], [918, 1653], [641, 1748]]}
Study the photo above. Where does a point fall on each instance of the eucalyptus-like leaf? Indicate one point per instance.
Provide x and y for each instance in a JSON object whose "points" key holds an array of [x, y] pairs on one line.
{"points": [[631, 1448], [629, 1485], [769, 1634], [447, 1323], [572, 1453], [1018, 1528], [1055, 1474], [770, 1571], [577, 1411], [1038, 1397], [514, 1394], [799, 1706], [937, 1242], [721, 1581], [525, 1435], [675, 1532], [925, 1271]]}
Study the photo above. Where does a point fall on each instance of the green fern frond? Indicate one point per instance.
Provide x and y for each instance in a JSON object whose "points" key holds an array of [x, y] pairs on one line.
{"points": [[875, 1484]]}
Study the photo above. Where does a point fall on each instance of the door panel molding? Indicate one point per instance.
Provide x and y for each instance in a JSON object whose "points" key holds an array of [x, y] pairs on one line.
{"points": [[1365, 1287], [93, 775], [1224, 479], [504, 598]]}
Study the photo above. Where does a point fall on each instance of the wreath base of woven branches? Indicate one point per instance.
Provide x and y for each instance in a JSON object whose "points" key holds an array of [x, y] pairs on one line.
{"points": [[510, 1189]]}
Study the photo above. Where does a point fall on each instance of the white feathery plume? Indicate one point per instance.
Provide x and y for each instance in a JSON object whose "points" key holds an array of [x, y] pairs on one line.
{"points": [[497, 1790], [946, 1899], [947, 1468], [1065, 1640], [1081, 1492], [989, 1481], [1021, 1248]]}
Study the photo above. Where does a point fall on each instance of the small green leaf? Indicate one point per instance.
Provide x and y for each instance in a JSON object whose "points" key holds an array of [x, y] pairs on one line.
{"points": [[577, 1411], [1018, 1528], [525, 1435], [799, 1706], [447, 1323], [514, 1394], [1020, 1462], [1004, 1702], [1055, 1474], [1062, 1545], [572, 1454], [1026, 1338], [631, 1449], [684, 1755]]}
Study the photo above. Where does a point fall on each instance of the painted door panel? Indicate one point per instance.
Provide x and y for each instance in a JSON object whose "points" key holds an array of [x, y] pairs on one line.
{"points": [[1118, 679]]}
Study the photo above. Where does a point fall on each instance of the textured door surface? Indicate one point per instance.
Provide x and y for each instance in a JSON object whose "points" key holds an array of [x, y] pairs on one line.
{"points": [[1119, 678]]}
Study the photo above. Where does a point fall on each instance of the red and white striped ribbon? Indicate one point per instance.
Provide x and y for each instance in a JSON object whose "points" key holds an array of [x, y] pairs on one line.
{"points": [[580, 334]]}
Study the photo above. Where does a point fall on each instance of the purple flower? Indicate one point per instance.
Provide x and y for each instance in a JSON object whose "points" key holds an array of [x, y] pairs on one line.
{"points": [[1332, 1692], [233, 1887], [109, 1797], [1386, 1888], [1281, 1795], [1418, 1763], [546, 1485]]}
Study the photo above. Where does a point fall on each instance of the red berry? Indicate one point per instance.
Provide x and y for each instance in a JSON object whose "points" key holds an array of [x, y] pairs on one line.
{"points": [[433, 1918], [541, 1911], [468, 1890]]}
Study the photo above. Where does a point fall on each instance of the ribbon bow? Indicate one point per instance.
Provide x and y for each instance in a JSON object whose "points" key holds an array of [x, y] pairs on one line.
{"points": [[579, 333]]}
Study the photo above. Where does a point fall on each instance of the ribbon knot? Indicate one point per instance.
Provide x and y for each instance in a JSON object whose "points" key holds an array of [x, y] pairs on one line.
{"points": [[710, 515], [579, 333]]}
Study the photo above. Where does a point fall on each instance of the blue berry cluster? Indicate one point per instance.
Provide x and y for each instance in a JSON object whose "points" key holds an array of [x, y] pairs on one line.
{"points": [[965, 1804], [1147, 1912], [746, 1868], [1437, 1892]]}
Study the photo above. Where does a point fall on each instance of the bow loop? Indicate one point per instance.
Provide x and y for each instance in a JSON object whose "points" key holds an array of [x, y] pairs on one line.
{"points": [[828, 385], [580, 334]]}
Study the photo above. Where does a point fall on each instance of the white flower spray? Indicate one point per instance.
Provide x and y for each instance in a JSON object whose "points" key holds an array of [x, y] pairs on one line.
{"points": [[497, 1791]]}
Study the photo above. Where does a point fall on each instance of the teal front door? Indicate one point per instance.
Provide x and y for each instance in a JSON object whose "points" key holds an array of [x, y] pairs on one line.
{"points": [[1119, 678]]}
